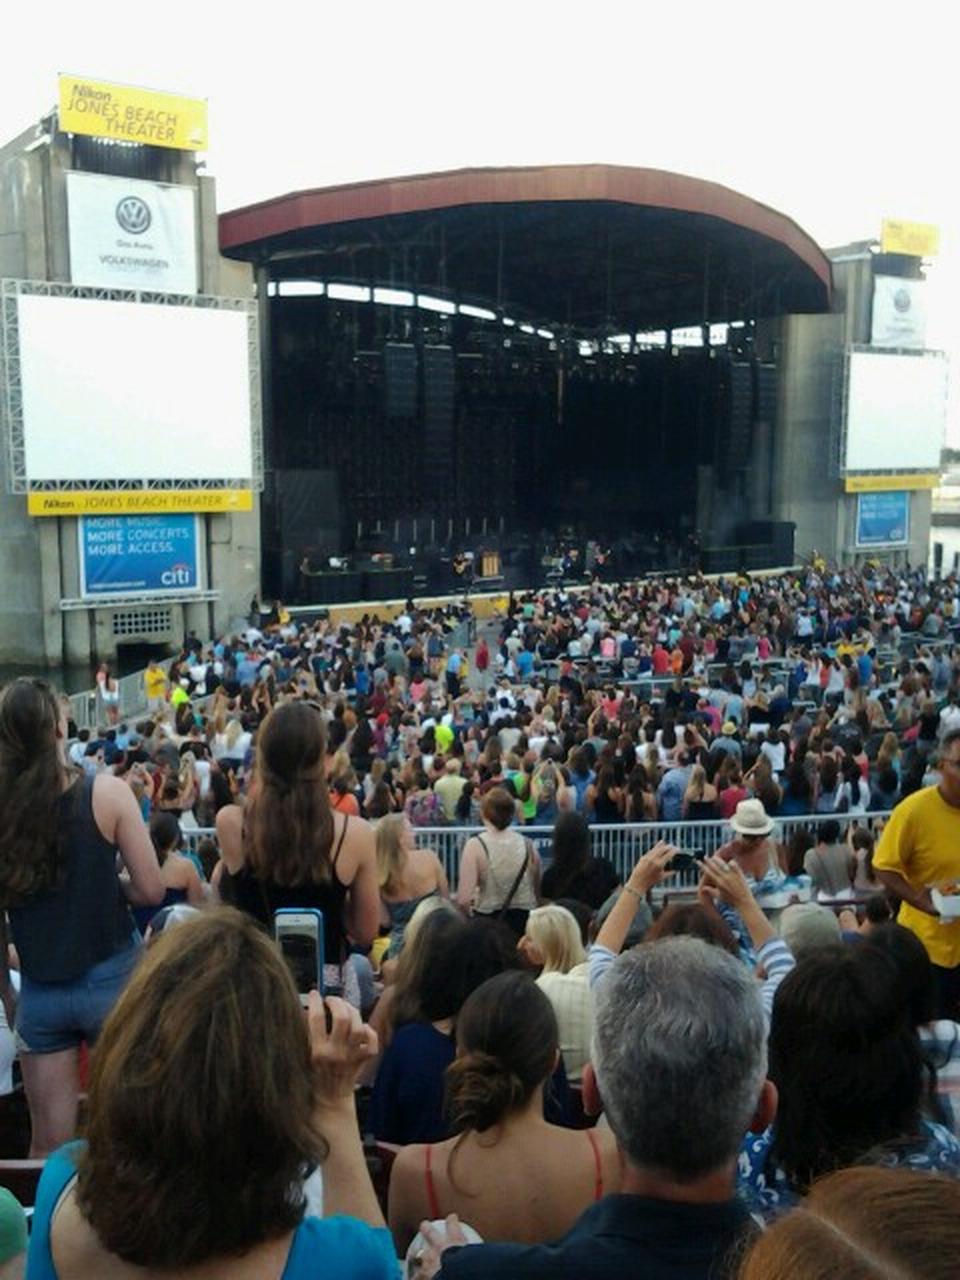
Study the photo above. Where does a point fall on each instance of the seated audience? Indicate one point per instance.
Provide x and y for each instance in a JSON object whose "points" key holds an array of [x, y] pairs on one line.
{"points": [[407, 1104], [808, 926], [508, 1172], [848, 1069], [682, 1078], [939, 1037], [180, 876]]}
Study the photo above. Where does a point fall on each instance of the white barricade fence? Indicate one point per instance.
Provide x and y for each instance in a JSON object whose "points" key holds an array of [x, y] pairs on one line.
{"points": [[622, 843], [88, 712]]}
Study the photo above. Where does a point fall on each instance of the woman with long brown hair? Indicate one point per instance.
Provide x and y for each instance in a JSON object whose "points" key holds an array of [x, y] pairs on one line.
{"points": [[60, 835], [287, 847]]}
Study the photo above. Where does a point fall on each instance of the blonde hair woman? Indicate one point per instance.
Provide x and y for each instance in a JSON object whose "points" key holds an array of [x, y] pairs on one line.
{"points": [[406, 876], [552, 941], [888, 757], [700, 797]]}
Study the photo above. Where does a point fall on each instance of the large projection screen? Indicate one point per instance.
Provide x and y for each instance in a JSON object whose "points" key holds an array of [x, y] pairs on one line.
{"points": [[896, 412], [133, 391]]}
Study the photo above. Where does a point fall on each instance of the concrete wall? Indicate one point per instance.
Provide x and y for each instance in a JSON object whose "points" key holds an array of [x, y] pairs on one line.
{"points": [[39, 557], [806, 486]]}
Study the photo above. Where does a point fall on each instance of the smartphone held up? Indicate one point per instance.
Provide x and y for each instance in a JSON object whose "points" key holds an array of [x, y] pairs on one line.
{"points": [[299, 934]]}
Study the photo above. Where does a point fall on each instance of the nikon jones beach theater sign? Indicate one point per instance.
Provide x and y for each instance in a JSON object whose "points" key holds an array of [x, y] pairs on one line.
{"points": [[129, 114]]}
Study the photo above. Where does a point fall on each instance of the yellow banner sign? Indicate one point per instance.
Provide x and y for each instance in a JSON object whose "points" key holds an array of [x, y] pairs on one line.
{"points": [[889, 483], [120, 111], [916, 239], [106, 502]]}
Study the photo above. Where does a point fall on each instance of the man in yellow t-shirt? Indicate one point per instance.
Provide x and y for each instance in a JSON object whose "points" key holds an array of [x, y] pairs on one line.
{"points": [[920, 848], [155, 685]]}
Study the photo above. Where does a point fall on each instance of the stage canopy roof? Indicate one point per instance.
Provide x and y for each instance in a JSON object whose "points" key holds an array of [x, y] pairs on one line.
{"points": [[593, 248]]}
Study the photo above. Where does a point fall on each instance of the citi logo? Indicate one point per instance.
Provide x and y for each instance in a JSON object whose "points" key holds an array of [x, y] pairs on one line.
{"points": [[133, 215], [178, 575]]}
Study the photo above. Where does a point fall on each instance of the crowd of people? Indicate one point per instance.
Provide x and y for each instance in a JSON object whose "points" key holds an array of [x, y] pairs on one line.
{"points": [[594, 1072]]}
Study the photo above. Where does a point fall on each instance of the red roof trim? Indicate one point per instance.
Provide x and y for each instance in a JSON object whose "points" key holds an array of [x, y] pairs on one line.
{"points": [[388, 196]]}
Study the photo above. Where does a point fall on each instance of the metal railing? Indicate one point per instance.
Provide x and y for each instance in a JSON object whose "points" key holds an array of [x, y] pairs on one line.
{"points": [[89, 712], [621, 843]]}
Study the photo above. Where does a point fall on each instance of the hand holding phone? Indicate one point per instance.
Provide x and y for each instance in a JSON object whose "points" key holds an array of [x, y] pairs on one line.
{"points": [[299, 932], [684, 861], [341, 1044]]}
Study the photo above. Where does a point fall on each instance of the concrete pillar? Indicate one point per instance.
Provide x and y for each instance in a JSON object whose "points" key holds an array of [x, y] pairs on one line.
{"points": [[76, 636], [104, 644], [51, 591]]}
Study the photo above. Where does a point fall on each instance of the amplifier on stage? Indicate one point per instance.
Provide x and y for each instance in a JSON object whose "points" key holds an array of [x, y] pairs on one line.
{"points": [[490, 564]]}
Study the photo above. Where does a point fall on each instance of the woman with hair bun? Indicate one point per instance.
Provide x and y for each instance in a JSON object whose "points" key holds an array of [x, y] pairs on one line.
{"points": [[507, 1172]]}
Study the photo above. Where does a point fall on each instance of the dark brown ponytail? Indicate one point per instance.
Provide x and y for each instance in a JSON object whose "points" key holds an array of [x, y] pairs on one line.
{"points": [[507, 1046]]}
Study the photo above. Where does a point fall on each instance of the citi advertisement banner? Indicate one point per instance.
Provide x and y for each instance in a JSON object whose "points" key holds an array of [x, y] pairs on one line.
{"points": [[128, 234], [139, 555], [883, 519]]}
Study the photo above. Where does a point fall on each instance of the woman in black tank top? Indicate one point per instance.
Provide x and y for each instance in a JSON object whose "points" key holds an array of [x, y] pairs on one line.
{"points": [[60, 835], [292, 843]]}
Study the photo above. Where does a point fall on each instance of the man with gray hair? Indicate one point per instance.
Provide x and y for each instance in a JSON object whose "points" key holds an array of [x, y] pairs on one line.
{"points": [[679, 1055]]}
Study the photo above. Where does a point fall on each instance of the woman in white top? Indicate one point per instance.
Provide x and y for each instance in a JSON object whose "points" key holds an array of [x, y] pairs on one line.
{"points": [[499, 869], [775, 749], [836, 678], [552, 943]]}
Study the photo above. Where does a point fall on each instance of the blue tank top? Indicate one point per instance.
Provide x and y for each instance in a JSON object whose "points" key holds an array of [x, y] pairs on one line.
{"points": [[63, 933], [341, 1246], [401, 913]]}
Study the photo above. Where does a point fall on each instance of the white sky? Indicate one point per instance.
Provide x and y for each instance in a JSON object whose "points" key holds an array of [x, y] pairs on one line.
{"points": [[836, 114]]}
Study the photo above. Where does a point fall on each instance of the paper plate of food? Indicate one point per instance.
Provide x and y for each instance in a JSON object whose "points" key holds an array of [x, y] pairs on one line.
{"points": [[946, 899]]}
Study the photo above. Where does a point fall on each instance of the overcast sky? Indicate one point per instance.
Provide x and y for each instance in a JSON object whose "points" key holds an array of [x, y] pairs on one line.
{"points": [[835, 114]]}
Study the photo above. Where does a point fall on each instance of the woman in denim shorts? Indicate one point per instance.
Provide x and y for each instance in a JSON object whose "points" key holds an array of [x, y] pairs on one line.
{"points": [[60, 833]]}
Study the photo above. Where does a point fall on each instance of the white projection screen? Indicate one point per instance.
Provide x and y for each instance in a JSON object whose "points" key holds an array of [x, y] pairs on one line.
{"points": [[133, 391], [896, 411]]}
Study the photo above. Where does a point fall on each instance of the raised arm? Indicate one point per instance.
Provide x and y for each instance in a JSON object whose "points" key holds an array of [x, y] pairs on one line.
{"points": [[339, 1053], [649, 871]]}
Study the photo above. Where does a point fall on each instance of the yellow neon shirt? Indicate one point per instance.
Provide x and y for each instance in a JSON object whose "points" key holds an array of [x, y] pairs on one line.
{"points": [[155, 682], [922, 843]]}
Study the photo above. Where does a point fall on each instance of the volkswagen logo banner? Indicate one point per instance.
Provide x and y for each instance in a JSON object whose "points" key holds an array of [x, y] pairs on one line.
{"points": [[133, 215], [128, 233]]}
